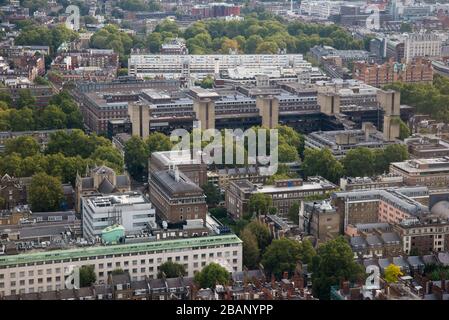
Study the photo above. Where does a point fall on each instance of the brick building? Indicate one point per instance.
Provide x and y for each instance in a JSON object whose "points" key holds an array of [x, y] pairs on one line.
{"points": [[433, 172], [176, 197], [12, 192], [418, 70], [283, 193]]}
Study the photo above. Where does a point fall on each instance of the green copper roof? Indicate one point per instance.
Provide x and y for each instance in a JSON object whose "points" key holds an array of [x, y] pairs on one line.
{"points": [[119, 249]]}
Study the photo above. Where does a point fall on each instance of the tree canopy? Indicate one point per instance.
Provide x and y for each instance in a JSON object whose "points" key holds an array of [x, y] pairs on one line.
{"points": [[259, 203], [45, 36], [45, 193], [427, 98], [61, 112], [211, 275], [213, 194], [87, 276], [282, 255], [171, 270], [323, 163], [333, 263]]}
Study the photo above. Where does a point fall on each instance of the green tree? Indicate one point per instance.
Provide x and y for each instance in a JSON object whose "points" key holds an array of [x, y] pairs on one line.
{"points": [[10, 164], [136, 158], [261, 232], [65, 102], [392, 153], [44, 36], [404, 130], [158, 141], [5, 96], [281, 256], [259, 203], [110, 155], [154, 42], [359, 162], [87, 275], [45, 193], [207, 82], [251, 251], [171, 270], [293, 212], [26, 99], [25, 146], [333, 263], [111, 37], [268, 47], [252, 43], [307, 252], [52, 118], [322, 163], [213, 195], [41, 81], [211, 275], [74, 143], [21, 120], [287, 153]]}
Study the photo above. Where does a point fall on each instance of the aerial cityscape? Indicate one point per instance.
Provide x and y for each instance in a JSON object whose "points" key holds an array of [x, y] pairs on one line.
{"points": [[246, 150]]}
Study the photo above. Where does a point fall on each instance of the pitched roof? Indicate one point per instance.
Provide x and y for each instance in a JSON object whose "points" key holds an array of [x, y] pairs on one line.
{"points": [[103, 170], [106, 186], [122, 180]]}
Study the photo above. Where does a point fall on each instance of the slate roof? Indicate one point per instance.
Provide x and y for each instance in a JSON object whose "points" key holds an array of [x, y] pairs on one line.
{"points": [[184, 185], [106, 187]]}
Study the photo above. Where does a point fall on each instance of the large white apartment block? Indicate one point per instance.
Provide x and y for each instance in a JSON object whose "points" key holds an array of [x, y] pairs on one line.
{"points": [[133, 211], [320, 9], [422, 45], [46, 270], [200, 66]]}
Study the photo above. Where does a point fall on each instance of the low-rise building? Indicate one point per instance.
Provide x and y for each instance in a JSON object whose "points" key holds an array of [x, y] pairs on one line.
{"points": [[427, 146], [418, 70], [133, 211], [99, 181], [341, 141], [432, 172], [424, 236], [24, 273], [195, 171], [380, 205], [176, 197], [320, 220], [283, 193], [376, 182]]}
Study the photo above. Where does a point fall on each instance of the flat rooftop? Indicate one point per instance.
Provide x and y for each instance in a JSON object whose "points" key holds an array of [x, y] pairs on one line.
{"points": [[161, 245], [424, 165]]}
